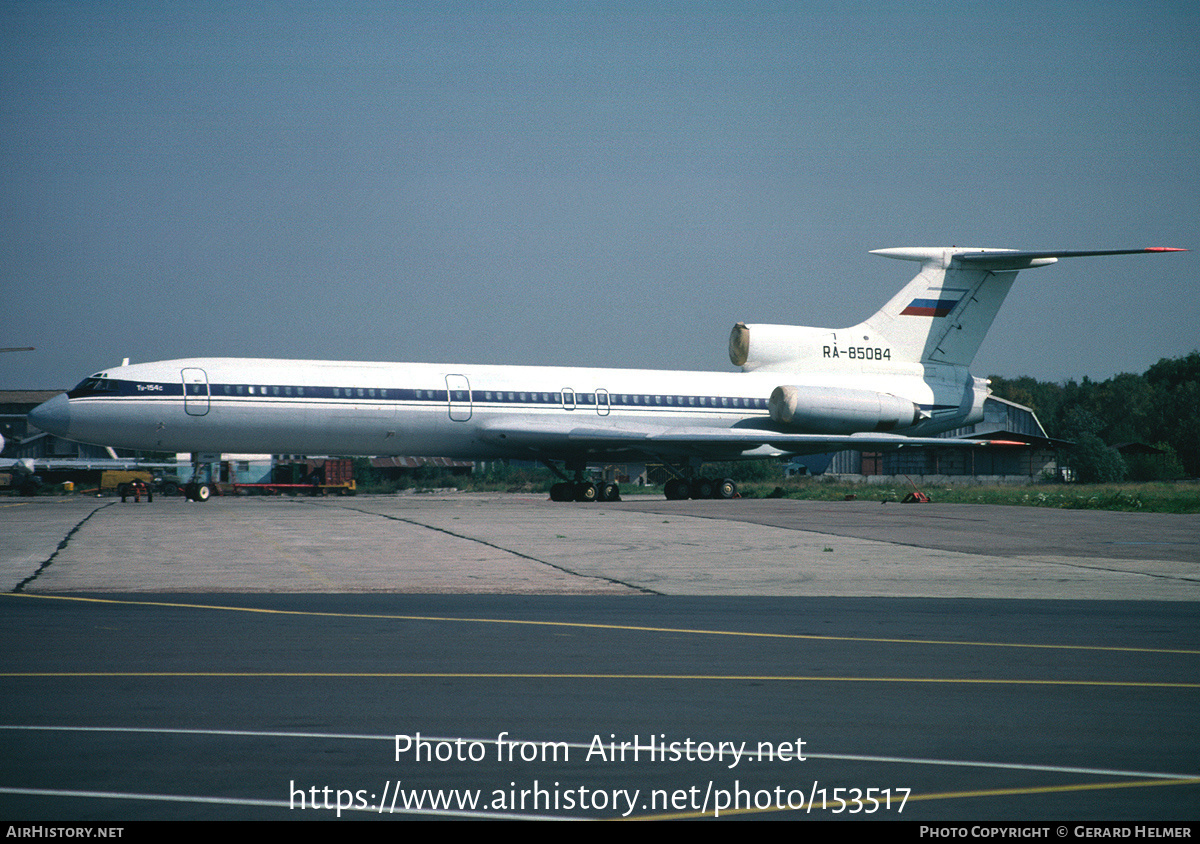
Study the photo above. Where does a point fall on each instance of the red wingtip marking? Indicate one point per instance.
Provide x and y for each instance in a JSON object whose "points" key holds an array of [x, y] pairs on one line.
{"points": [[1163, 249]]}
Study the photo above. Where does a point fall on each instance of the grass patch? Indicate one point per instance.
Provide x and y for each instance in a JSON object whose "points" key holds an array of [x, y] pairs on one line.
{"points": [[1149, 497], [1159, 497]]}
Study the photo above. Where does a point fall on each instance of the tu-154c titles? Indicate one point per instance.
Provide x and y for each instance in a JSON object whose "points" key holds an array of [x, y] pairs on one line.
{"points": [[896, 379]]}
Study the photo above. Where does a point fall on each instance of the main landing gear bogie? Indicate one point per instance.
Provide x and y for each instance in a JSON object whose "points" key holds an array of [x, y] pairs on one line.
{"points": [[585, 491], [678, 489]]}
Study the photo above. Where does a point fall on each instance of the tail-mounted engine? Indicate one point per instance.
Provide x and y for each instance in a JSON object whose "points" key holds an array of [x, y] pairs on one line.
{"points": [[837, 410], [773, 345]]}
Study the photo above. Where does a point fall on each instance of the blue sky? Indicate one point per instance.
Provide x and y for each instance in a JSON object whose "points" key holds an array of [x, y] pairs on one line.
{"points": [[602, 184]]}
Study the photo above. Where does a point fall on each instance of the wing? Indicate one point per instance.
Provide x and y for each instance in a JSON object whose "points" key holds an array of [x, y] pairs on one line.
{"points": [[655, 441]]}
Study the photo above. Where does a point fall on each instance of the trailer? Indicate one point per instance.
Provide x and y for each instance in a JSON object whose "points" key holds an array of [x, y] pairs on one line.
{"points": [[334, 476]]}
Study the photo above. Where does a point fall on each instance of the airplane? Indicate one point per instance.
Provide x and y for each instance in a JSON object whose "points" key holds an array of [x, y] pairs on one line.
{"points": [[896, 379]]}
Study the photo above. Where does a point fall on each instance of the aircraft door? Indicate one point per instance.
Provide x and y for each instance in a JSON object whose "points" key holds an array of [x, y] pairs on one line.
{"points": [[602, 405], [458, 394], [195, 391]]}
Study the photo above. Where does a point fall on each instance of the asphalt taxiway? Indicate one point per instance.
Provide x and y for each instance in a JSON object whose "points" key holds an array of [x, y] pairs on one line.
{"points": [[247, 657]]}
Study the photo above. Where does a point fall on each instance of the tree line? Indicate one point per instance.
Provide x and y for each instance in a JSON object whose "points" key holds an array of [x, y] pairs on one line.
{"points": [[1160, 407]]}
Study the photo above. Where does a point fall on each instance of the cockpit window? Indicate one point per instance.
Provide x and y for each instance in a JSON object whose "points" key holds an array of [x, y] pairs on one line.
{"points": [[91, 386]]}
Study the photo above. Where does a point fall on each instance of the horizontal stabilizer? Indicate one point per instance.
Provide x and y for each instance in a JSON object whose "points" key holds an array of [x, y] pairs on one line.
{"points": [[1015, 260], [1001, 259]]}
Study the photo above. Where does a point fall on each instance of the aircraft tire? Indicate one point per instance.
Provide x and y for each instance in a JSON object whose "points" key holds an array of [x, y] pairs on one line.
{"points": [[610, 492], [676, 489], [726, 489], [203, 492], [586, 491], [560, 492], [703, 488]]}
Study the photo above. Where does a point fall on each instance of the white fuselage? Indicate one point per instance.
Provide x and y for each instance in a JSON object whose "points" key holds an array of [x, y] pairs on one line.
{"points": [[449, 410]]}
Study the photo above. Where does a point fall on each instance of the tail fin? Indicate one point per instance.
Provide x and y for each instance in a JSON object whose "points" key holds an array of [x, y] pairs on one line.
{"points": [[943, 314]]}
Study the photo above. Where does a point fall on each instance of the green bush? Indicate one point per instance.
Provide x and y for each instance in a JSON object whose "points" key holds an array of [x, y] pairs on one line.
{"points": [[1096, 463]]}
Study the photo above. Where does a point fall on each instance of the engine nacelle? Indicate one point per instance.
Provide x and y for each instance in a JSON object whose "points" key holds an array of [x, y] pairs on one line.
{"points": [[754, 346], [837, 410]]}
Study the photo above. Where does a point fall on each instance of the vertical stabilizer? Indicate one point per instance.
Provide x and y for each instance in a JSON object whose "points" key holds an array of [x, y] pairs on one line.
{"points": [[943, 314]]}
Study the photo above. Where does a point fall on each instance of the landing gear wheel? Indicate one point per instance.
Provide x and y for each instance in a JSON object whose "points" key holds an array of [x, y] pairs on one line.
{"points": [[676, 489], [703, 488], [610, 492], [203, 492], [586, 491], [562, 492], [726, 489]]}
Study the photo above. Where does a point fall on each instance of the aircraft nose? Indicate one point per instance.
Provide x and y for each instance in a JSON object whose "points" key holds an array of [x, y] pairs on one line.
{"points": [[53, 417]]}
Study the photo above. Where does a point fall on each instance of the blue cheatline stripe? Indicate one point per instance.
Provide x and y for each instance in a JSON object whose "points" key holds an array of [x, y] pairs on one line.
{"points": [[146, 390]]}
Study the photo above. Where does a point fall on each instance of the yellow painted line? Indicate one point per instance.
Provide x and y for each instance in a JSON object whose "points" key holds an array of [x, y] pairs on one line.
{"points": [[914, 798], [488, 675], [626, 627]]}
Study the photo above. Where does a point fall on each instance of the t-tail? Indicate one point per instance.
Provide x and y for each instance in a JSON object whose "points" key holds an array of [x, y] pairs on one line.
{"points": [[940, 317]]}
